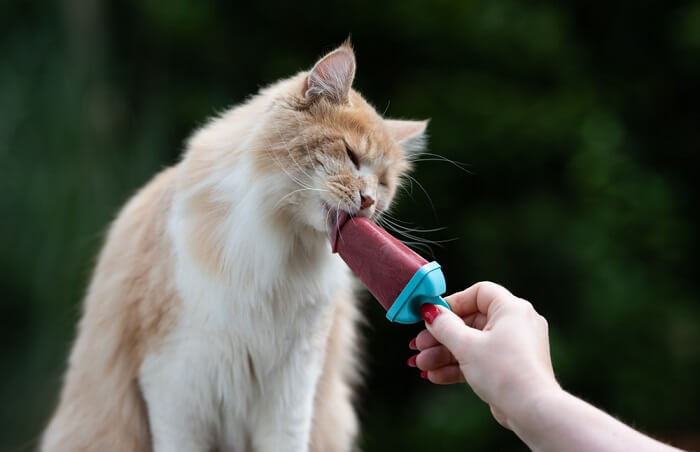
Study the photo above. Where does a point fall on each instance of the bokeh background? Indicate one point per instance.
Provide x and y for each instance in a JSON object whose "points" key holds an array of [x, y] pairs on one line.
{"points": [[577, 122]]}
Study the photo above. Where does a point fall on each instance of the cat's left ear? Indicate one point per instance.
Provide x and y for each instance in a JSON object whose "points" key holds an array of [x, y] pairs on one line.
{"points": [[410, 135], [332, 76]]}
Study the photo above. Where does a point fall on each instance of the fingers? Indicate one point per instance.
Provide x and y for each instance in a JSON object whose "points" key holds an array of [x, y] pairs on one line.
{"points": [[449, 329], [437, 365], [476, 298], [424, 340], [446, 375], [434, 357]]}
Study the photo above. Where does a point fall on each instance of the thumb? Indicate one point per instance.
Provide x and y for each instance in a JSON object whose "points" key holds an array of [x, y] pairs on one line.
{"points": [[448, 328]]}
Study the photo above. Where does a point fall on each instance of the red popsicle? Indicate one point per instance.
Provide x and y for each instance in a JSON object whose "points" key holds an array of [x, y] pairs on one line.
{"points": [[391, 271]]}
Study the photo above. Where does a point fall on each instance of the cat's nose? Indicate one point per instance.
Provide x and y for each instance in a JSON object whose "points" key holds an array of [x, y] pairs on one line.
{"points": [[366, 201]]}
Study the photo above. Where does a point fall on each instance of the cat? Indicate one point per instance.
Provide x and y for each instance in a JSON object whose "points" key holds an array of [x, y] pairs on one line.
{"points": [[217, 317]]}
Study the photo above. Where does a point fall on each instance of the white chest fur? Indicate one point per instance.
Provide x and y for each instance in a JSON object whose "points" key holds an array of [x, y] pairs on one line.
{"points": [[240, 367]]}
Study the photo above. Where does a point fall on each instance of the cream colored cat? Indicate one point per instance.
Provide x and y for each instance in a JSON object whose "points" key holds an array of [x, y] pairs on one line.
{"points": [[217, 317]]}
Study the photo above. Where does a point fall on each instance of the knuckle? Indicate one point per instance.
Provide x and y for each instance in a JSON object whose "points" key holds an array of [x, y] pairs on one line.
{"points": [[527, 304], [526, 307], [488, 286], [492, 290], [497, 288]]}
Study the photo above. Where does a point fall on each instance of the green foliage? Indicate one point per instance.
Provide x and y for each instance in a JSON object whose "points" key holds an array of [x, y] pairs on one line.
{"points": [[578, 123]]}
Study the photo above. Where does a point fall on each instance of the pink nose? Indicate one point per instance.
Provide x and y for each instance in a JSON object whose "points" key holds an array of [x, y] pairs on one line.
{"points": [[365, 201]]}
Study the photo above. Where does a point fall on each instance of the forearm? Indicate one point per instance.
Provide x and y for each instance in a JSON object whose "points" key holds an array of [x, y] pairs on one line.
{"points": [[559, 421]]}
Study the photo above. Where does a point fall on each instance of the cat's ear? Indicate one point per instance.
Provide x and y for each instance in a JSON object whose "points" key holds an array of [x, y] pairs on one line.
{"points": [[410, 135], [332, 76]]}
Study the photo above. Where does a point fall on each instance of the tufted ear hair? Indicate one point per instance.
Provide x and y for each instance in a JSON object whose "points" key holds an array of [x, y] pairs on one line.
{"points": [[332, 76], [410, 135]]}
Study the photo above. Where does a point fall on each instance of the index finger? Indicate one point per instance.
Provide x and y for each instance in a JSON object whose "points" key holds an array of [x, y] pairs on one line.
{"points": [[476, 298]]}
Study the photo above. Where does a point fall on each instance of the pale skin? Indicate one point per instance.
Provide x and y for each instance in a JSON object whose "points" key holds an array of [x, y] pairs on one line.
{"points": [[499, 345]]}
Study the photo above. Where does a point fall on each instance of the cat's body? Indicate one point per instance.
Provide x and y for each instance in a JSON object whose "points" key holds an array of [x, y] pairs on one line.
{"points": [[217, 317]]}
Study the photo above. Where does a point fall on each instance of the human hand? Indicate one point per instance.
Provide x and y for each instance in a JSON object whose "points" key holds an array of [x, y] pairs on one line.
{"points": [[495, 341]]}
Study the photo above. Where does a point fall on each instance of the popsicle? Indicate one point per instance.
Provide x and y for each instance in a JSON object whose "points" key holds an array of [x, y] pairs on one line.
{"points": [[399, 278]]}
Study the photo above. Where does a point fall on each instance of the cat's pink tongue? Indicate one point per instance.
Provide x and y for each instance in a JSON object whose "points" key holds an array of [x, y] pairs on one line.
{"points": [[340, 218], [382, 263]]}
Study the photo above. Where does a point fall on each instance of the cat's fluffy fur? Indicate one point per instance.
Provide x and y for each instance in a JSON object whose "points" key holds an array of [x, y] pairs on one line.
{"points": [[217, 317]]}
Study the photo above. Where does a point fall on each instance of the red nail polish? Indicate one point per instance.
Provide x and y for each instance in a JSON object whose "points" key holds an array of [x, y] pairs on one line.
{"points": [[424, 374], [412, 345], [429, 312], [412, 361]]}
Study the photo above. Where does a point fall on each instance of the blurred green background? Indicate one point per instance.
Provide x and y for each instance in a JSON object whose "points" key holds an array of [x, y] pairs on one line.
{"points": [[578, 120]]}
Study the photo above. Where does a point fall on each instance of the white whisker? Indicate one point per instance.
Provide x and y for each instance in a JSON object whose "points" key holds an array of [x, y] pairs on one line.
{"points": [[296, 191], [440, 158], [294, 179], [430, 200], [391, 220]]}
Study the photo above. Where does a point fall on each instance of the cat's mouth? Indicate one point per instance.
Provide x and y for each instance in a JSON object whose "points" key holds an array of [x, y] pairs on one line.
{"points": [[336, 220]]}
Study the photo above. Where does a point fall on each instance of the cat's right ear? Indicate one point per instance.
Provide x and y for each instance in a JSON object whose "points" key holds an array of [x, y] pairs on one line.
{"points": [[332, 76], [410, 135]]}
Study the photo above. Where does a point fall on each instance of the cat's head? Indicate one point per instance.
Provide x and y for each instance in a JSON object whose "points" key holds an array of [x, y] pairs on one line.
{"points": [[334, 151]]}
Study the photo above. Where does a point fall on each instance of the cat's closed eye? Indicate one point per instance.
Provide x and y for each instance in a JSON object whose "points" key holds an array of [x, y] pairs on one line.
{"points": [[353, 158]]}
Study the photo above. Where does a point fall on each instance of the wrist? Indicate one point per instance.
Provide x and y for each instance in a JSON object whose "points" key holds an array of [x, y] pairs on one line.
{"points": [[535, 406]]}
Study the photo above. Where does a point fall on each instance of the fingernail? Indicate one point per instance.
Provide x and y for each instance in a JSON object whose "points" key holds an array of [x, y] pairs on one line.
{"points": [[412, 361], [429, 312], [424, 374], [412, 345]]}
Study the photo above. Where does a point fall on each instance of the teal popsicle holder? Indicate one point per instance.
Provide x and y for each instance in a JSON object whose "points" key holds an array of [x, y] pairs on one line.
{"points": [[425, 286]]}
